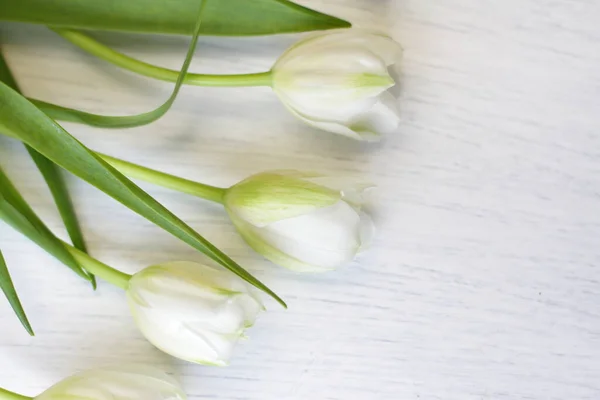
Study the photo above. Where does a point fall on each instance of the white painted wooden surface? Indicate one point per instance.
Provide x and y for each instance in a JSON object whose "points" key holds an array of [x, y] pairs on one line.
{"points": [[483, 282]]}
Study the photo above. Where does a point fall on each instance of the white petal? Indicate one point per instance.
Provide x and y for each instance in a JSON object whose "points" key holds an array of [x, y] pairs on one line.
{"points": [[191, 311], [334, 127], [382, 118], [327, 238], [192, 338], [352, 189], [333, 86], [385, 47], [116, 383], [336, 80], [382, 45], [367, 231], [252, 237], [365, 127]]}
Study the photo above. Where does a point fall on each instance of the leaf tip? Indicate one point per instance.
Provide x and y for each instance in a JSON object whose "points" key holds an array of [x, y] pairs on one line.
{"points": [[277, 299], [25, 322], [336, 22]]}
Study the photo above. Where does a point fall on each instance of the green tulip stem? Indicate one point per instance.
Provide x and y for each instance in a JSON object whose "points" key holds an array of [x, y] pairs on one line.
{"points": [[98, 268], [158, 178], [8, 395], [103, 52]]}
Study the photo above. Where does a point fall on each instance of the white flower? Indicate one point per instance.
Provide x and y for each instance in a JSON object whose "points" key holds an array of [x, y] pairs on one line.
{"points": [[337, 81], [192, 311], [116, 383], [305, 222]]}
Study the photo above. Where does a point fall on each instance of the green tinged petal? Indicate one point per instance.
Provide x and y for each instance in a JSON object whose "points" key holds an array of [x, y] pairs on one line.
{"points": [[371, 81], [269, 197]]}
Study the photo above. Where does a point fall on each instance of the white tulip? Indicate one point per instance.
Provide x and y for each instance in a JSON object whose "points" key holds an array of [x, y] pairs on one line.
{"points": [[116, 383], [337, 81], [301, 221], [192, 311]]}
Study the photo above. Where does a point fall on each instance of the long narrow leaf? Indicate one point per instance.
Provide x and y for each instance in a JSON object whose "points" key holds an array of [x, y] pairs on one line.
{"points": [[106, 121], [60, 193], [54, 180], [11, 196], [22, 120], [6, 284], [67, 114], [60, 113], [223, 17]]}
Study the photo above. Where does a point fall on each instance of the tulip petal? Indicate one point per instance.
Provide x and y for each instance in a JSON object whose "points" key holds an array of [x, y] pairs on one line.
{"points": [[269, 197], [315, 241], [125, 382], [367, 231], [367, 130], [380, 119], [351, 188], [336, 127], [294, 173], [191, 311], [221, 344], [326, 238], [333, 86], [337, 81], [385, 47], [381, 44], [249, 234], [191, 339]]}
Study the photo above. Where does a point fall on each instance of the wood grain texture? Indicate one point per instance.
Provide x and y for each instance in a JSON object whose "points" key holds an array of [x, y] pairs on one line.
{"points": [[483, 282]]}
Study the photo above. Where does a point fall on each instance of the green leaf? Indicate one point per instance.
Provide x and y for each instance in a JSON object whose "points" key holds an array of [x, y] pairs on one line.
{"points": [[223, 17], [20, 119], [10, 195], [16, 214], [60, 193], [61, 113], [54, 180], [106, 121], [5, 75], [8, 288]]}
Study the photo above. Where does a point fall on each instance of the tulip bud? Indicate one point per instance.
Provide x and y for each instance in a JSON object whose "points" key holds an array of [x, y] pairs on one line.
{"points": [[116, 383], [301, 221], [337, 81], [192, 311]]}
